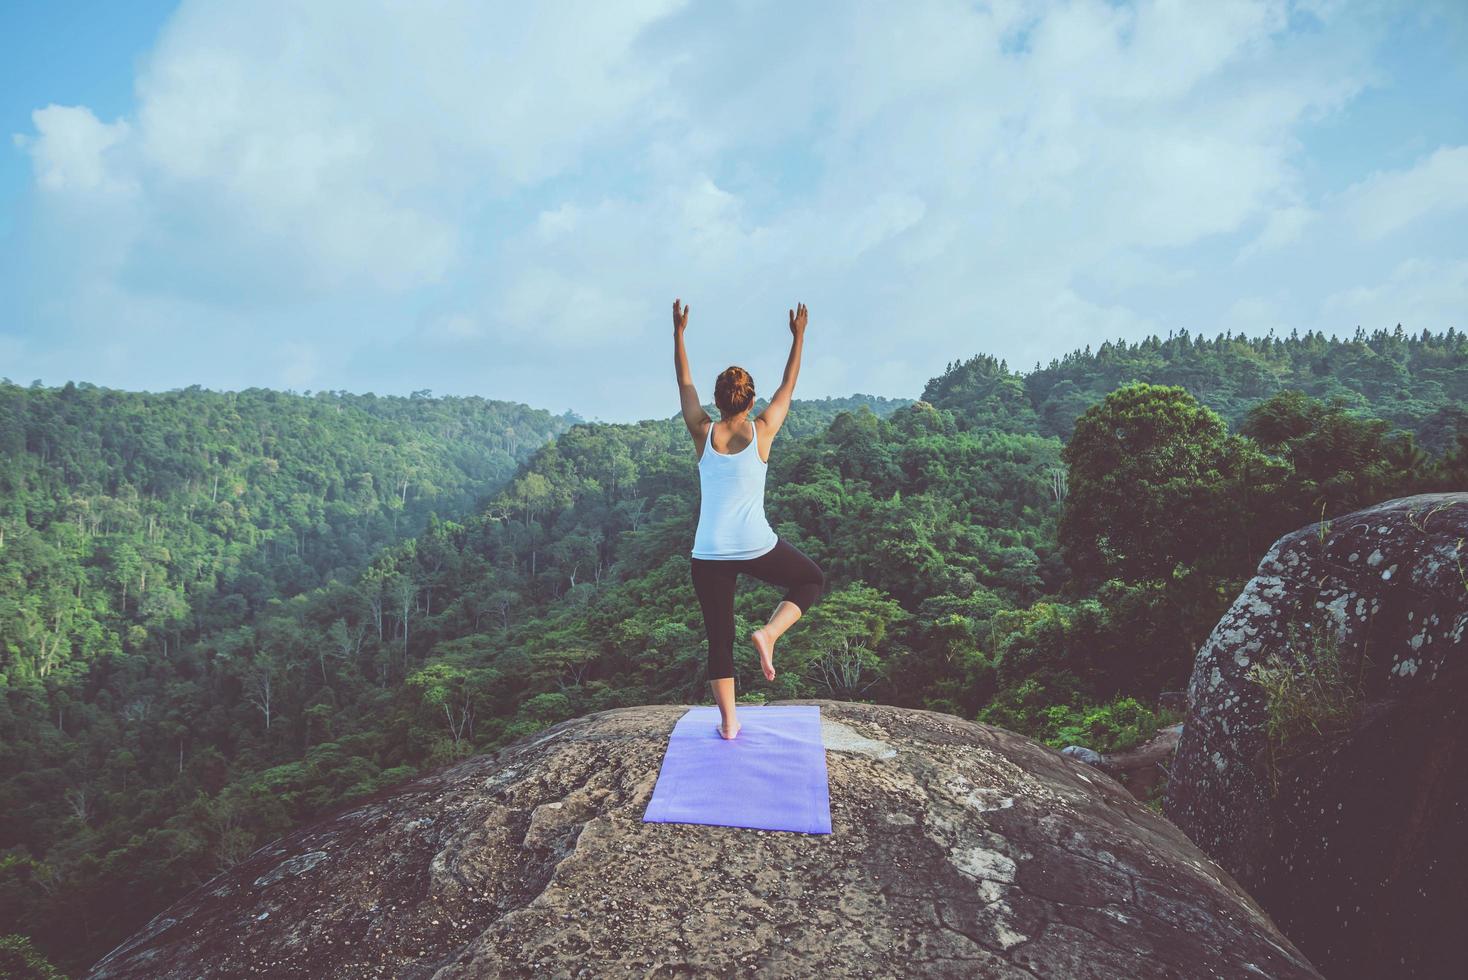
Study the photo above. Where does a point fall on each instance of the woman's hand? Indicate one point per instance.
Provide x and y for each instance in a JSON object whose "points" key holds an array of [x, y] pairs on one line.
{"points": [[797, 319], [680, 320]]}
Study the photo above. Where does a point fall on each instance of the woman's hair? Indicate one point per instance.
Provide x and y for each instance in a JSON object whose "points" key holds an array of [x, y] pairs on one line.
{"points": [[734, 391]]}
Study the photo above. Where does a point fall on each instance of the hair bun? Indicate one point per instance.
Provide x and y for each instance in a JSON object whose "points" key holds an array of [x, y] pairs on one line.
{"points": [[734, 390]]}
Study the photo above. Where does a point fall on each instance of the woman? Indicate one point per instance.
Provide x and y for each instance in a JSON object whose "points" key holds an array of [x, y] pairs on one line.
{"points": [[733, 535]]}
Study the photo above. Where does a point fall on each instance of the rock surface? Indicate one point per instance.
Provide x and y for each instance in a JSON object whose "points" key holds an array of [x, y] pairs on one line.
{"points": [[958, 850], [1359, 852]]}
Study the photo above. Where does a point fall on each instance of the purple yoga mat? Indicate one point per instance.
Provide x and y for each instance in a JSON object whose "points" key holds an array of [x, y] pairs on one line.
{"points": [[771, 776]]}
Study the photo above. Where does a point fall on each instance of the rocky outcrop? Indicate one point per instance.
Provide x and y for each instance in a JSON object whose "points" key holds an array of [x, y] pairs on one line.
{"points": [[1353, 841], [957, 849]]}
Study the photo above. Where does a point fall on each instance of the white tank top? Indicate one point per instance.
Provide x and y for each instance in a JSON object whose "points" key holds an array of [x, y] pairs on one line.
{"points": [[731, 507]]}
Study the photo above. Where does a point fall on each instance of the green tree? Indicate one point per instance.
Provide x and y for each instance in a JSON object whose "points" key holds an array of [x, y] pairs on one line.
{"points": [[1339, 460], [1149, 471], [450, 687], [840, 648]]}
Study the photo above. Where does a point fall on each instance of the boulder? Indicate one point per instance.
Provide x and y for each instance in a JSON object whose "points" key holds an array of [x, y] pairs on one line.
{"points": [[1353, 839], [1083, 754], [958, 849]]}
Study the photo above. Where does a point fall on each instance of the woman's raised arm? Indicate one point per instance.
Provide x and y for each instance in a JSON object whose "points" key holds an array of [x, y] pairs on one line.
{"points": [[779, 406], [693, 414]]}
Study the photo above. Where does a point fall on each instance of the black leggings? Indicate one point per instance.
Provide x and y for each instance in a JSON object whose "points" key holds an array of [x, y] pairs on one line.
{"points": [[783, 565]]}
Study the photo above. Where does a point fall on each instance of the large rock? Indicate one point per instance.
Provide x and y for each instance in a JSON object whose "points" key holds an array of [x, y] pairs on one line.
{"points": [[1359, 853], [958, 850]]}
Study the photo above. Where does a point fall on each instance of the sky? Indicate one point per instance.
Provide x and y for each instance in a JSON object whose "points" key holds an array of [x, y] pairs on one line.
{"points": [[504, 199]]}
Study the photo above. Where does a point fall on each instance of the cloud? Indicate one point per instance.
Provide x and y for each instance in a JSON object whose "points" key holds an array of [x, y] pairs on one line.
{"points": [[1385, 203], [1282, 226], [1256, 316], [297, 364], [289, 151], [452, 329], [69, 147], [453, 195], [1415, 294]]}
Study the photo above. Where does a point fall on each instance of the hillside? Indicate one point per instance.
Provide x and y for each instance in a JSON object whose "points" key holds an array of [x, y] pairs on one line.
{"points": [[1415, 382]]}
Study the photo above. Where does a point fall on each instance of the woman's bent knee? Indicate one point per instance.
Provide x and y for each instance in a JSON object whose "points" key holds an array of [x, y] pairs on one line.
{"points": [[806, 593]]}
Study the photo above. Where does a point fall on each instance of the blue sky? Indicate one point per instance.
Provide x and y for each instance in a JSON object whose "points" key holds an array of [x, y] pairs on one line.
{"points": [[503, 199]]}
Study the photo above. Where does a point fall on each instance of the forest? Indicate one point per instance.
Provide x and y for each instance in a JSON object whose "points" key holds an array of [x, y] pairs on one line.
{"points": [[223, 614]]}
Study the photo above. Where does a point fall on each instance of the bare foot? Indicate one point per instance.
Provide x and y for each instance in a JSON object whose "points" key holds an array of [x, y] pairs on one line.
{"points": [[766, 648], [729, 734]]}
